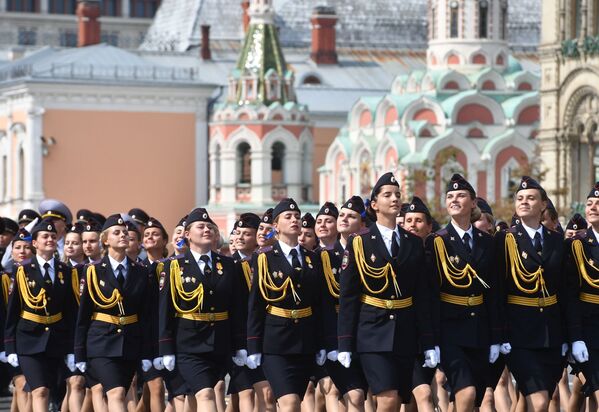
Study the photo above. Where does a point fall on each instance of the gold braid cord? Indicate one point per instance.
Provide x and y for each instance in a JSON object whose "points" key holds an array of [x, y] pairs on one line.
{"points": [[178, 291], [332, 283], [458, 278], [5, 287], [581, 259], [98, 297], [374, 273], [159, 269], [247, 273], [266, 284], [75, 284], [526, 282], [35, 302]]}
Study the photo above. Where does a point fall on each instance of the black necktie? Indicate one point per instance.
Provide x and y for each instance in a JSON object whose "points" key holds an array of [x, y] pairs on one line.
{"points": [[466, 240], [538, 244], [206, 260], [394, 245], [295, 260], [47, 278], [119, 275]]}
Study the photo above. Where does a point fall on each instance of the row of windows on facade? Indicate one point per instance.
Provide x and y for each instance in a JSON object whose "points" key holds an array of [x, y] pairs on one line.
{"points": [[28, 36], [138, 8], [483, 21]]}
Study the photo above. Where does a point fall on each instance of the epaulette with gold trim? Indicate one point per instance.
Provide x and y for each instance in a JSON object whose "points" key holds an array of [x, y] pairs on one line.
{"points": [[264, 249], [24, 263]]}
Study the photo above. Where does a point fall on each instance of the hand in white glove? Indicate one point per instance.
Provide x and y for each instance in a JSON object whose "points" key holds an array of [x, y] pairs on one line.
{"points": [[69, 360], [430, 359], [438, 352], [344, 358], [321, 357], [494, 353], [146, 364], [564, 349], [333, 355], [158, 364], [505, 348], [580, 351], [82, 366], [3, 357], [169, 362], [253, 361], [13, 359], [240, 357]]}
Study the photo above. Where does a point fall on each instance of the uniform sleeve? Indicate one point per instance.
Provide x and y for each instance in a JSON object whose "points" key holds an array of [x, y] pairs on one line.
{"points": [[13, 311], [84, 317], [322, 308], [500, 270], [569, 295], [423, 298], [239, 308], [493, 295], [349, 302], [434, 285], [256, 314], [71, 307], [329, 314], [149, 312], [166, 314]]}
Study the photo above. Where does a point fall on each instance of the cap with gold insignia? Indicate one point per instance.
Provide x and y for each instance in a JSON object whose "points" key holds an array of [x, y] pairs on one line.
{"points": [[328, 209], [182, 221], [77, 227], [285, 205], [198, 215], [356, 204], [577, 223], [153, 222], [385, 180], [528, 182], [308, 221], [92, 226], [418, 206], [594, 191], [248, 220], [55, 209], [27, 216], [113, 220], [267, 216], [457, 182], [10, 226], [132, 227], [45, 225], [140, 216]]}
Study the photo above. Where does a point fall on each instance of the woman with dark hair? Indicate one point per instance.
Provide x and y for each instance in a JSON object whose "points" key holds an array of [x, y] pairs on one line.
{"points": [[113, 331], [466, 296], [384, 301], [307, 237]]}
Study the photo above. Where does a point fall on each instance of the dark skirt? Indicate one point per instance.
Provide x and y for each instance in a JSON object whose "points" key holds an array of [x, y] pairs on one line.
{"points": [[148, 376], [495, 371], [422, 375], [244, 378], [112, 372], [201, 370], [288, 374], [385, 371], [536, 370], [590, 370], [465, 367], [41, 371], [347, 379], [175, 384]]}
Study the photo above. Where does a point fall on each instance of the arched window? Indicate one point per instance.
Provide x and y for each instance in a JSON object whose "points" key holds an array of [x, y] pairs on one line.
{"points": [[454, 16], [311, 80], [483, 19], [277, 163], [244, 163]]}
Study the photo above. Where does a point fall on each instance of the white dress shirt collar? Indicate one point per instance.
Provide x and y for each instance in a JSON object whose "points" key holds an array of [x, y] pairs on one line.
{"points": [[532, 232], [115, 264], [286, 249]]}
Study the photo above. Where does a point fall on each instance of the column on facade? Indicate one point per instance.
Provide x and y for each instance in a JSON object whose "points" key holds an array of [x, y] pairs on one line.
{"points": [[261, 177], [125, 8], [34, 190], [228, 176], [44, 6]]}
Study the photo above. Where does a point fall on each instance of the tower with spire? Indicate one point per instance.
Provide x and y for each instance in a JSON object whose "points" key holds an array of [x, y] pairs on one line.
{"points": [[261, 141]]}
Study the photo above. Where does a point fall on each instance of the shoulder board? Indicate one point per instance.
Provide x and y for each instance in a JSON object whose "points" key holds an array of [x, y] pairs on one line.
{"points": [[304, 250], [441, 232], [580, 236], [264, 249], [62, 265], [164, 260], [95, 262], [25, 262], [513, 229], [180, 256]]}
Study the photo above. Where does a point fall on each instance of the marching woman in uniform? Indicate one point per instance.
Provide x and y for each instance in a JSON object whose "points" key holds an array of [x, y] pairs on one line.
{"points": [[530, 261], [201, 321], [39, 324], [265, 234], [113, 332], [465, 297], [384, 301], [285, 324]]}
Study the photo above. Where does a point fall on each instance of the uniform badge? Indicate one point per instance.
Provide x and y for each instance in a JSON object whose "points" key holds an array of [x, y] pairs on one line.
{"points": [[162, 280], [81, 286], [591, 262], [219, 268], [188, 279], [452, 238], [519, 233], [309, 262], [186, 261], [456, 259], [373, 237], [103, 265], [524, 255], [334, 271], [102, 283], [336, 253], [345, 260], [193, 280], [372, 258], [61, 278], [451, 259]]}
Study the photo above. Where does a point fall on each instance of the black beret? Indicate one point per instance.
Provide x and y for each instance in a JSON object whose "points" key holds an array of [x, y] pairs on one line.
{"points": [[45, 225], [356, 204], [198, 215], [528, 182], [594, 191], [418, 206], [153, 222], [77, 227], [267, 216], [308, 221], [27, 215], [92, 226], [484, 206], [84, 215], [113, 220], [284, 206], [248, 220], [457, 182], [132, 227], [10, 226], [182, 221], [23, 235], [384, 180], [577, 223], [328, 209], [139, 216], [98, 217]]}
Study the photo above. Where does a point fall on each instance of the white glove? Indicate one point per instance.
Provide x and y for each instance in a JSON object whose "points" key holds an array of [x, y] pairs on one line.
{"points": [[240, 357], [13, 359], [169, 362], [158, 364], [333, 355], [344, 358], [430, 359], [69, 360], [505, 348], [438, 352], [494, 353], [253, 361], [82, 366], [3, 357], [580, 351], [146, 364], [321, 357], [564, 349]]}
